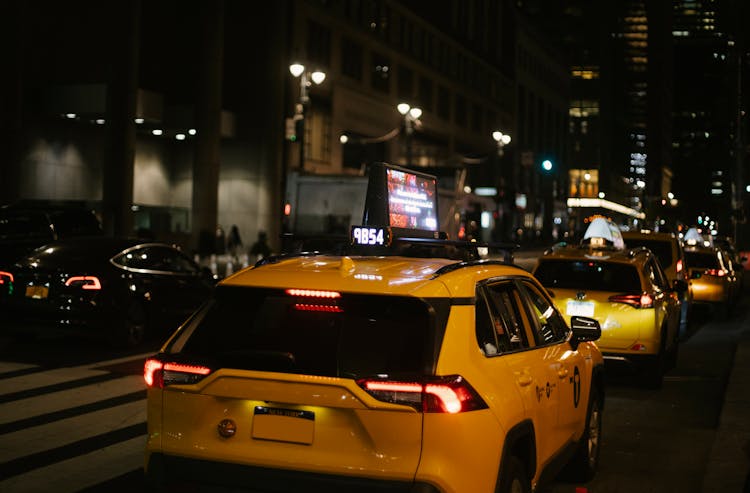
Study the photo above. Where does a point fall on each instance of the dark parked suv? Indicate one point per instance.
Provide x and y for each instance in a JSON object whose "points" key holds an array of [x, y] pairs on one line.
{"points": [[27, 225]]}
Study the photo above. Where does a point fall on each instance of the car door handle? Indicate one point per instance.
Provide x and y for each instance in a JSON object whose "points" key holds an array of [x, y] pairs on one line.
{"points": [[524, 379], [562, 373]]}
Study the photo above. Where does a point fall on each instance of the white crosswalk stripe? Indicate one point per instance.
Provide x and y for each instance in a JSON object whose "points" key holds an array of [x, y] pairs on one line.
{"points": [[83, 471], [65, 432], [78, 396]]}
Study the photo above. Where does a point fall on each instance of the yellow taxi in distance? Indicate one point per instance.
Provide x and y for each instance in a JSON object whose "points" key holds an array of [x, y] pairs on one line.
{"points": [[400, 363], [712, 276], [627, 292], [671, 255]]}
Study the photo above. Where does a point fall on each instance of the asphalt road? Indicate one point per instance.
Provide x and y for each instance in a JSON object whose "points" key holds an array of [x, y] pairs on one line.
{"points": [[72, 416]]}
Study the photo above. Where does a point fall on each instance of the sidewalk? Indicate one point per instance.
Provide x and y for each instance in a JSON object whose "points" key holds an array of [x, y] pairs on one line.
{"points": [[728, 468]]}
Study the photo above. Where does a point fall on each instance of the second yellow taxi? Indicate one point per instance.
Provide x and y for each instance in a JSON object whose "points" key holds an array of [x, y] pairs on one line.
{"points": [[625, 290]]}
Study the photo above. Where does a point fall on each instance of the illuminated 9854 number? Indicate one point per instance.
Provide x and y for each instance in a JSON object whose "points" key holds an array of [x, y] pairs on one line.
{"points": [[362, 235]]}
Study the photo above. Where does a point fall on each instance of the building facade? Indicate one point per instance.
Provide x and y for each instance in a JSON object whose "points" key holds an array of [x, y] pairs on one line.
{"points": [[191, 126]]}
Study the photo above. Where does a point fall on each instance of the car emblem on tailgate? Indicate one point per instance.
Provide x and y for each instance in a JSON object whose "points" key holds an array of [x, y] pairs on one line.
{"points": [[227, 428]]}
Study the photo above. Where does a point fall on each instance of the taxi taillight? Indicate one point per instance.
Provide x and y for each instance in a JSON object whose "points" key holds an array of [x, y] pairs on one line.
{"points": [[644, 300], [160, 374], [5, 277], [451, 394]]}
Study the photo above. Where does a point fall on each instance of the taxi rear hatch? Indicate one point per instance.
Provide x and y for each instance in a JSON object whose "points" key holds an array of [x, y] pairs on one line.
{"points": [[331, 384]]}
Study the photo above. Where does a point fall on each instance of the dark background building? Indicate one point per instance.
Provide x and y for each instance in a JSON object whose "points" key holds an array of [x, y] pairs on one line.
{"points": [[181, 116]]}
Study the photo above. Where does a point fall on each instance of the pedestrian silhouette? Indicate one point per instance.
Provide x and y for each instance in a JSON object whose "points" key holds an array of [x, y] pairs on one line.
{"points": [[260, 248]]}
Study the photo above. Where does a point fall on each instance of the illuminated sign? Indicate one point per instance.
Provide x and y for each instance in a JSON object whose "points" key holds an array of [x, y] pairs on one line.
{"points": [[411, 200], [368, 235]]}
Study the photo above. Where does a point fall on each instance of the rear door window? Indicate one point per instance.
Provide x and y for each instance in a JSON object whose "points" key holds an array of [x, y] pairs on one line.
{"points": [[352, 336], [588, 275], [500, 327]]}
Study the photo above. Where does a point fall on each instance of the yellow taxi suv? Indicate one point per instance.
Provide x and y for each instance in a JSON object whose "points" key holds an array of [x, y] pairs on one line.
{"points": [[671, 255], [402, 362], [627, 292], [712, 276]]}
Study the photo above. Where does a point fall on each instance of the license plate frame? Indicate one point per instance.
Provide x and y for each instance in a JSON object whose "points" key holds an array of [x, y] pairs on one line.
{"points": [[36, 292], [579, 308], [283, 425]]}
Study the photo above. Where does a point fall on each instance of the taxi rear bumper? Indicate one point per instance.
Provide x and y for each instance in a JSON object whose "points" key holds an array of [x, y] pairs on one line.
{"points": [[172, 473]]}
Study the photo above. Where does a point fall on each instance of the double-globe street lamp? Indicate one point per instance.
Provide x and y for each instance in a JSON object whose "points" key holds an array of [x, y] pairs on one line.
{"points": [[306, 79], [505, 209], [411, 121]]}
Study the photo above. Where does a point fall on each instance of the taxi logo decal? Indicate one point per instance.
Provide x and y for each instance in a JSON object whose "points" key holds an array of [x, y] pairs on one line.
{"points": [[545, 391]]}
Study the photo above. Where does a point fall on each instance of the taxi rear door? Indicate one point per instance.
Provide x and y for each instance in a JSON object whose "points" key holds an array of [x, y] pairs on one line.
{"points": [[568, 370]]}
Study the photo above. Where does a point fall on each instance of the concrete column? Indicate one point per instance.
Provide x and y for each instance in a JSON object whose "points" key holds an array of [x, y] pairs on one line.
{"points": [[206, 164], [11, 99], [122, 95]]}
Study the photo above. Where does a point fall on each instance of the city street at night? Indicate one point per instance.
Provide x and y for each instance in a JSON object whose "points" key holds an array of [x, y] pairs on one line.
{"points": [[73, 414]]}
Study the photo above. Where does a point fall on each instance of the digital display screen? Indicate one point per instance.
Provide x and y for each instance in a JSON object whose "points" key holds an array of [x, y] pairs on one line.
{"points": [[412, 200]]}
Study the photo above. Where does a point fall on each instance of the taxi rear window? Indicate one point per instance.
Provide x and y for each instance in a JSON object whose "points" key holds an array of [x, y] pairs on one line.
{"points": [[588, 275], [351, 336], [702, 260], [661, 248]]}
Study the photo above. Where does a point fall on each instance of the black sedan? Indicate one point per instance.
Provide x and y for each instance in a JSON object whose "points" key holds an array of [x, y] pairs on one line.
{"points": [[118, 289]]}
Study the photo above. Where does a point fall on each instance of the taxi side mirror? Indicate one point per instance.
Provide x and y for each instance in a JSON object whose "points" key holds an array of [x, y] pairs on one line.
{"points": [[585, 329], [680, 286]]}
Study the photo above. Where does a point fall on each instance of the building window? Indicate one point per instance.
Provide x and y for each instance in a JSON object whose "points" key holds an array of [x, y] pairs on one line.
{"points": [[460, 110], [405, 83], [351, 59], [425, 93], [381, 73], [476, 118], [444, 103], [318, 44]]}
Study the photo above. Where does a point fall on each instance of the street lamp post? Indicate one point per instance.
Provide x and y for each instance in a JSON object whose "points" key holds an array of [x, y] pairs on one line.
{"points": [[411, 120], [505, 218], [306, 79]]}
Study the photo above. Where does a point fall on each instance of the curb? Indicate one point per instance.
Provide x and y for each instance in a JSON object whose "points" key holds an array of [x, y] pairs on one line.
{"points": [[728, 468]]}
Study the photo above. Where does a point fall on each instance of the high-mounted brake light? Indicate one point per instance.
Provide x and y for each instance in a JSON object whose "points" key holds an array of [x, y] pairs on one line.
{"points": [[320, 300], [644, 300], [84, 282], [451, 394], [160, 374], [309, 307], [313, 293]]}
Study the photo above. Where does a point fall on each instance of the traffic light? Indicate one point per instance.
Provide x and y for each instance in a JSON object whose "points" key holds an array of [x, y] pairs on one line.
{"points": [[294, 128]]}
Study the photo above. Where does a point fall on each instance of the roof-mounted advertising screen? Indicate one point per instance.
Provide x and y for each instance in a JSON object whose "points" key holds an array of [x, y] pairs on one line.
{"points": [[412, 200]]}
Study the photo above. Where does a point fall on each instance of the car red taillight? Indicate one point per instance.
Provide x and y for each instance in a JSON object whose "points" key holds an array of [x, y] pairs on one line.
{"points": [[715, 272], [451, 394], [5, 277], [644, 300], [84, 282], [160, 374]]}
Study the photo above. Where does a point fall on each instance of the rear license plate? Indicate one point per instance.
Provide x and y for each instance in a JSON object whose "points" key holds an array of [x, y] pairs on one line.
{"points": [[580, 308], [283, 425], [37, 292]]}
